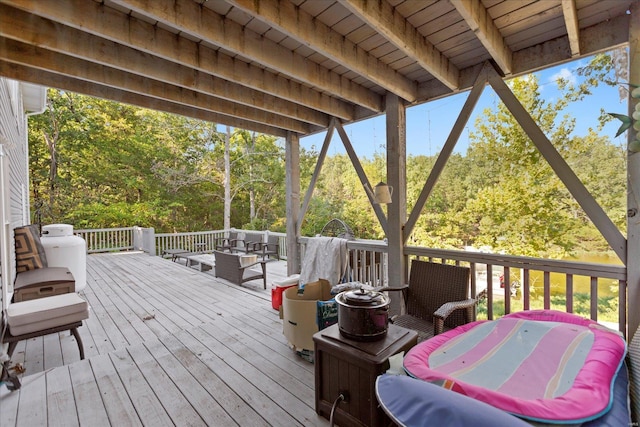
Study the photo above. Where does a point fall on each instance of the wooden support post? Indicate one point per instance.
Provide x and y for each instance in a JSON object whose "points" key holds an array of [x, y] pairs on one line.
{"points": [[292, 154], [633, 184], [397, 178]]}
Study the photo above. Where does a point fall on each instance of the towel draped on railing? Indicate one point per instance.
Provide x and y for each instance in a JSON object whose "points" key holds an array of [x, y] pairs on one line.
{"points": [[324, 258]]}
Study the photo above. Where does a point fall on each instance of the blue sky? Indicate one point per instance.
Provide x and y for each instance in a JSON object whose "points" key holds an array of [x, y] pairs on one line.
{"points": [[429, 124]]}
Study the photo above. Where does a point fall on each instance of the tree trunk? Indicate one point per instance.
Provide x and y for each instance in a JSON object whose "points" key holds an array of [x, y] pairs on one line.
{"points": [[252, 196], [227, 180], [52, 140]]}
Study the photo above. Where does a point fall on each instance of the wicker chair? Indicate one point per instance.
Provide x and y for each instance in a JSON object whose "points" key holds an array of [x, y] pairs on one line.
{"points": [[252, 243], [633, 364], [228, 243], [271, 247], [229, 267], [436, 299]]}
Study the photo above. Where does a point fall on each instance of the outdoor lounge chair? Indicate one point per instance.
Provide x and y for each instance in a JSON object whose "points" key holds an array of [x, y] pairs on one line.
{"points": [[227, 243], [229, 267], [436, 299], [251, 243], [271, 247]]}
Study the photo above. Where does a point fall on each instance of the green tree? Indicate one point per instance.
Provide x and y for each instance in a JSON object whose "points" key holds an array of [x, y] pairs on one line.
{"points": [[522, 207]]}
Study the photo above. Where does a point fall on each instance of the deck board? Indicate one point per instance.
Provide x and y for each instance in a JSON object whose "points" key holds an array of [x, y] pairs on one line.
{"points": [[89, 405], [221, 392], [120, 409], [61, 409], [165, 344]]}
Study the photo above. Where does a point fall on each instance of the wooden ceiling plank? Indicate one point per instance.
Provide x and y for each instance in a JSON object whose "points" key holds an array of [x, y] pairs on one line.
{"points": [[395, 28], [302, 26], [49, 79], [597, 38], [97, 19], [478, 18], [193, 19], [571, 21], [36, 57]]}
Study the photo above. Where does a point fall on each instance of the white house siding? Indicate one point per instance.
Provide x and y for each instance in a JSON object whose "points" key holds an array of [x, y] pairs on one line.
{"points": [[13, 135]]}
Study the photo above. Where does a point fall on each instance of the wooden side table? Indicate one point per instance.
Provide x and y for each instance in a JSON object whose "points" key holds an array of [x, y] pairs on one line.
{"points": [[345, 365]]}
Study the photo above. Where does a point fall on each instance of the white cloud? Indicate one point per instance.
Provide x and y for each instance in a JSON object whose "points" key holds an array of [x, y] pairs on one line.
{"points": [[565, 74]]}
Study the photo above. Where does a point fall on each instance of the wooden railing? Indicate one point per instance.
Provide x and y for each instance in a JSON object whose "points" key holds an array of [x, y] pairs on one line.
{"points": [[196, 241], [367, 261], [108, 239], [205, 241], [536, 283], [529, 283]]}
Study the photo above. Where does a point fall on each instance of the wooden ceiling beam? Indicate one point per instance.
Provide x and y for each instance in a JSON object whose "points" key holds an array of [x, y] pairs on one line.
{"points": [[35, 57], [22, 26], [477, 17], [392, 26], [192, 18], [49, 79], [296, 23], [570, 12]]}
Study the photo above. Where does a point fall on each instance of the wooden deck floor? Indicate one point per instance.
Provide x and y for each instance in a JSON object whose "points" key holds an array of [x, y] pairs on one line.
{"points": [[165, 345]]}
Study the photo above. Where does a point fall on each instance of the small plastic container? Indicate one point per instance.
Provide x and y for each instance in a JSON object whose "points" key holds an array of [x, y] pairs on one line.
{"points": [[277, 288]]}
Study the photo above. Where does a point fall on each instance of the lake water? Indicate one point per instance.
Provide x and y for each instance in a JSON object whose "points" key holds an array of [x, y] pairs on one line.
{"points": [[581, 284]]}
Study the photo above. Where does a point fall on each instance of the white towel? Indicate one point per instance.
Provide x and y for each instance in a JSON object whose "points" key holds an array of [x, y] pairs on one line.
{"points": [[324, 258]]}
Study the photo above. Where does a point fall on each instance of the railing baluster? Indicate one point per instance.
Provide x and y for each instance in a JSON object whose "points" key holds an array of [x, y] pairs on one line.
{"points": [[506, 281], [526, 290], [547, 290], [594, 298], [622, 302], [489, 292], [569, 293]]}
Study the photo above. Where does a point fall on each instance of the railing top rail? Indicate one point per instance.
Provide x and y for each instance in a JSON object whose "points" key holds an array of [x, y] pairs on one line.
{"points": [[612, 271], [93, 230], [363, 244], [189, 233]]}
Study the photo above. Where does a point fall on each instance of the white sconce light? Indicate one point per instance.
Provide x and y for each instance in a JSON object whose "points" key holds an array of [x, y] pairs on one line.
{"points": [[381, 193]]}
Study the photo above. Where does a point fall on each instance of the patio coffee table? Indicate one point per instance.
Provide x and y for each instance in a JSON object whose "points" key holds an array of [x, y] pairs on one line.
{"points": [[201, 262], [174, 253]]}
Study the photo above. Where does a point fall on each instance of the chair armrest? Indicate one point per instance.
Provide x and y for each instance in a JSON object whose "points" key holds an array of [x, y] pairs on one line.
{"points": [[262, 262], [403, 288], [226, 241], [392, 288], [266, 246], [252, 246], [260, 246], [447, 308]]}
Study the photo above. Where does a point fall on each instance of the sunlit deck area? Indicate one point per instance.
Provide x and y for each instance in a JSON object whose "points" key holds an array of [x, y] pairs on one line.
{"points": [[165, 344]]}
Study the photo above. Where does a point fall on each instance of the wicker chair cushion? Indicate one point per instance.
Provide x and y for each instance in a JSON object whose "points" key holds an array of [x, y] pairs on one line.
{"points": [[30, 253]]}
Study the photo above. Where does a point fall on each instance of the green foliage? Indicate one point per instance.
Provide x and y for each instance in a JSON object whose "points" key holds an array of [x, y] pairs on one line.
{"points": [[96, 163]]}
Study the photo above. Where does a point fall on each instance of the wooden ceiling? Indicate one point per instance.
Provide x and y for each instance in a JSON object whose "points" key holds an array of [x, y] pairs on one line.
{"points": [[279, 66]]}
